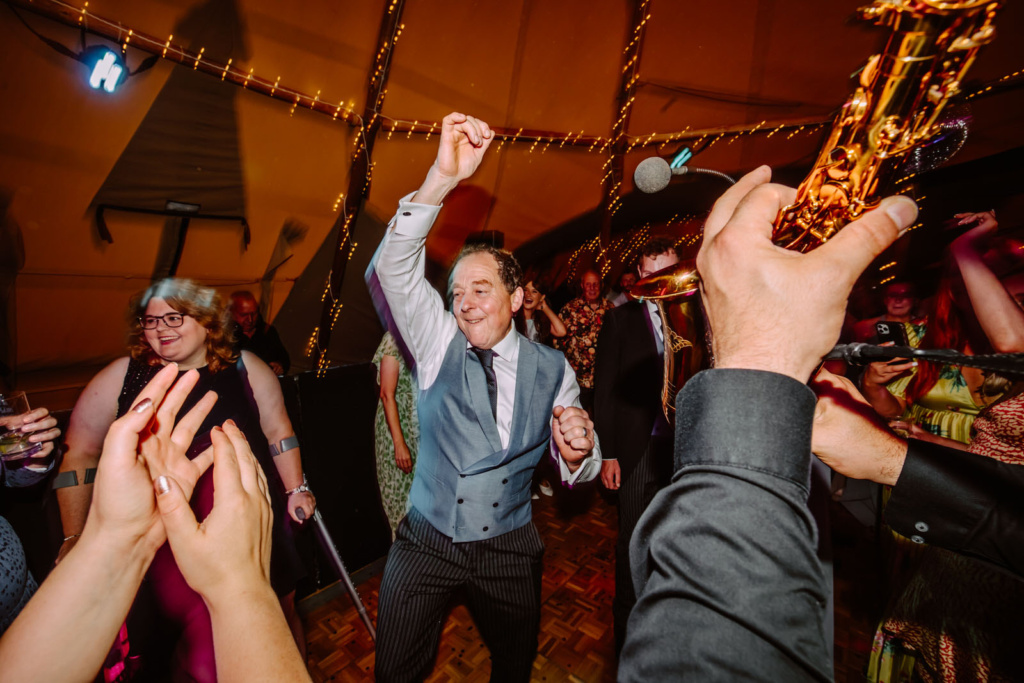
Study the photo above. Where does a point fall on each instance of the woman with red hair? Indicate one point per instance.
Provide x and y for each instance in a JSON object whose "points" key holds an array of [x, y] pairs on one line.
{"points": [[936, 400]]}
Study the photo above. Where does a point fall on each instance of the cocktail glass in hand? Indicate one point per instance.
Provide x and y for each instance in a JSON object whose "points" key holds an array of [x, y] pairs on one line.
{"points": [[15, 448]]}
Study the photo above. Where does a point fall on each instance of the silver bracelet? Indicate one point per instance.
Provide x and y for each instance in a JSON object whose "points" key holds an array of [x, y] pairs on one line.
{"points": [[301, 488], [68, 538]]}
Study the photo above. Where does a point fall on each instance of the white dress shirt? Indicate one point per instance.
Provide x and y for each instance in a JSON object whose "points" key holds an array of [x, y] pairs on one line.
{"points": [[427, 328]]}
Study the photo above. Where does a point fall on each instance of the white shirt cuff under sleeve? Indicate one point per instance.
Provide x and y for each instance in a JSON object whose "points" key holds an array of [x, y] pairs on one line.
{"points": [[588, 470]]}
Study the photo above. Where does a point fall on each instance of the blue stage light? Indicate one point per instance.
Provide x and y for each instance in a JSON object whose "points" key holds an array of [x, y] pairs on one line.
{"points": [[107, 68], [681, 158]]}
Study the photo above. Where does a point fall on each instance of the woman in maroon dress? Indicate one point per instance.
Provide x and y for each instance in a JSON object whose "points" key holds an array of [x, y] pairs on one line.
{"points": [[181, 322]]}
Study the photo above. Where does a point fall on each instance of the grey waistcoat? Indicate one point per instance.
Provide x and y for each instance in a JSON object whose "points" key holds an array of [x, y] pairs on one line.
{"points": [[466, 485]]}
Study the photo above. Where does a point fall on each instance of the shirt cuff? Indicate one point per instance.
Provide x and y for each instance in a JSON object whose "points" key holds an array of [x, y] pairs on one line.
{"points": [[746, 418], [413, 219], [939, 497], [590, 466], [584, 473]]}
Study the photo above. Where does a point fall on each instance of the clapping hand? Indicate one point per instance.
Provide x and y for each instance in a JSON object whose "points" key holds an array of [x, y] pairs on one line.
{"points": [[230, 551], [144, 440]]}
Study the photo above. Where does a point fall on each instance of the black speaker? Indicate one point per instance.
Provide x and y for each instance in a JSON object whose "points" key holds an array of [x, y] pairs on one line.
{"points": [[333, 416]]}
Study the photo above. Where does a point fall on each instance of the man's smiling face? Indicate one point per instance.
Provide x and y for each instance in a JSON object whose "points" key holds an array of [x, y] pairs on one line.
{"points": [[482, 306]]}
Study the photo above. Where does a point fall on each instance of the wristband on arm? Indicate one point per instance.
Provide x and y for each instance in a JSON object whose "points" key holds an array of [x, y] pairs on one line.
{"points": [[284, 445]]}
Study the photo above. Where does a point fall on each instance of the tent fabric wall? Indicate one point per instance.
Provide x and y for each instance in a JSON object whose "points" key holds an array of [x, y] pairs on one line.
{"points": [[530, 64]]}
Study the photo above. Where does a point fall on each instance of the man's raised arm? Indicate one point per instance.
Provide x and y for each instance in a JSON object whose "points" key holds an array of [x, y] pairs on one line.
{"points": [[415, 307]]}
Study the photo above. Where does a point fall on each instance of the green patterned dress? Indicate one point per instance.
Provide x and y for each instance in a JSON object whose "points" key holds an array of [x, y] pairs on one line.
{"points": [[948, 409], [394, 483]]}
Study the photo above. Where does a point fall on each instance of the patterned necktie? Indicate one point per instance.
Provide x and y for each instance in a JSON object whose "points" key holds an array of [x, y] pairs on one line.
{"points": [[656, 322], [486, 358]]}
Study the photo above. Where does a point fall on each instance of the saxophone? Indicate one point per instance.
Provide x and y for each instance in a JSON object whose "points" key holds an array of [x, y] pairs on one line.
{"points": [[896, 107], [901, 95]]}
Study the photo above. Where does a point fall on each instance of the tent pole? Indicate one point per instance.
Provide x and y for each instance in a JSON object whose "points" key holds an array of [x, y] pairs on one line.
{"points": [[611, 197], [358, 177]]}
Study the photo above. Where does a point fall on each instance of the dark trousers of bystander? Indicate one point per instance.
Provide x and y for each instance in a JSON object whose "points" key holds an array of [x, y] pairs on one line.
{"points": [[652, 473]]}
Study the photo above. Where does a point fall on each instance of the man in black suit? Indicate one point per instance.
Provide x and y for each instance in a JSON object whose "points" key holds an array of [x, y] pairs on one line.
{"points": [[636, 437]]}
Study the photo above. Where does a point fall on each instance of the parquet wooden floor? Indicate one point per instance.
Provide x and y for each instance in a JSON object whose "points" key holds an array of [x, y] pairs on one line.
{"points": [[576, 640]]}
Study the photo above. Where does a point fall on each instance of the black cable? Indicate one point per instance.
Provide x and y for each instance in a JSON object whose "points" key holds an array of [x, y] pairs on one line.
{"points": [[63, 49], [146, 64]]}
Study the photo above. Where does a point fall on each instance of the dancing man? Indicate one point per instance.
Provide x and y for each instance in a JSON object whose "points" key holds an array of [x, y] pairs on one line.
{"points": [[491, 405]]}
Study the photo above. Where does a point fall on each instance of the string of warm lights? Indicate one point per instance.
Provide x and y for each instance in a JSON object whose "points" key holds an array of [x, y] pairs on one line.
{"points": [[167, 49], [986, 88], [360, 178], [624, 249], [617, 144], [249, 80]]}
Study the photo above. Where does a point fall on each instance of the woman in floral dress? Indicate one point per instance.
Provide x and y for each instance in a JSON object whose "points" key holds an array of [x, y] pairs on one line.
{"points": [[397, 430], [958, 619]]}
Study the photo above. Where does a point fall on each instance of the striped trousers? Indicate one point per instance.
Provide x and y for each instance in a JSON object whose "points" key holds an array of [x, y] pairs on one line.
{"points": [[652, 473], [502, 579]]}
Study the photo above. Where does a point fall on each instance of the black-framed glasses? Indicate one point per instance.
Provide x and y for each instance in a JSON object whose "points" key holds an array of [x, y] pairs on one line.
{"points": [[150, 322]]}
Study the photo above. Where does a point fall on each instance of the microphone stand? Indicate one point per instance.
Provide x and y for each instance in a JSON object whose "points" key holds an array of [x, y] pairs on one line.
{"points": [[863, 354]]}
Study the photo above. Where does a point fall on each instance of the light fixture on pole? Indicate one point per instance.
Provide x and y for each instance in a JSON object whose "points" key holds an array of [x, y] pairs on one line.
{"points": [[107, 69]]}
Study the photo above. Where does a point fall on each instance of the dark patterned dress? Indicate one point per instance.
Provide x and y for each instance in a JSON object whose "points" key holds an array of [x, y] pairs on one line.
{"points": [[582, 324], [167, 612], [960, 619], [16, 582]]}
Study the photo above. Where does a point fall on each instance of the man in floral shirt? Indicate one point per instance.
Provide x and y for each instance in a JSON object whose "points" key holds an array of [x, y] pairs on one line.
{"points": [[583, 317]]}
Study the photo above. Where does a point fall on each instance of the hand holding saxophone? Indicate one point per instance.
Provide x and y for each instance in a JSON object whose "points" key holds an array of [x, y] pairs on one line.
{"points": [[778, 310]]}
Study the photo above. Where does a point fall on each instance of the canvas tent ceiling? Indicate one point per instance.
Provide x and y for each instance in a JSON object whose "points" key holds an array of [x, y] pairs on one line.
{"points": [[553, 66]]}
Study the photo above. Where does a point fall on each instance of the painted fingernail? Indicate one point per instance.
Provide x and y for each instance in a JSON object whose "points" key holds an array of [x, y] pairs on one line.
{"points": [[143, 405], [162, 485]]}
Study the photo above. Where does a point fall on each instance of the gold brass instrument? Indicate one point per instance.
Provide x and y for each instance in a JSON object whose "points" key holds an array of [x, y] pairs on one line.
{"points": [[896, 107], [682, 327]]}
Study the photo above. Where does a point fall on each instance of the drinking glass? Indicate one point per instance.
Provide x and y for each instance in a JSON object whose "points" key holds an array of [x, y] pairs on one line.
{"points": [[15, 445]]}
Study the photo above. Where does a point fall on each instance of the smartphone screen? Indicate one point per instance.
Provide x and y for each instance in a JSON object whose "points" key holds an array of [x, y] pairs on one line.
{"points": [[892, 332], [895, 333]]}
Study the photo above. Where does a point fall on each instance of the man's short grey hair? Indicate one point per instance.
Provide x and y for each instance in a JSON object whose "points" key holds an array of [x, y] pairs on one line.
{"points": [[509, 270]]}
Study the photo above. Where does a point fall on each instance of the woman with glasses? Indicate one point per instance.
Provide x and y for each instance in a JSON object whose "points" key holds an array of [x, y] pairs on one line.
{"points": [[178, 321]]}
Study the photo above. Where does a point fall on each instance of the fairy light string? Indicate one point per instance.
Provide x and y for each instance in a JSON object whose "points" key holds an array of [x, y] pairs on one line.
{"points": [[615, 145]]}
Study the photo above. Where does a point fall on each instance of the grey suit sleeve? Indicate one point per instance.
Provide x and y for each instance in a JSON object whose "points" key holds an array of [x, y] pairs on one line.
{"points": [[728, 582]]}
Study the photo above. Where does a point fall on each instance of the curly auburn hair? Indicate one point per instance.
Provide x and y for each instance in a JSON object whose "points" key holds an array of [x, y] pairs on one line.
{"points": [[202, 304]]}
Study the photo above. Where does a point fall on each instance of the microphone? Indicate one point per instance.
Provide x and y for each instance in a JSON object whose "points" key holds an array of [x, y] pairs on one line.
{"points": [[861, 354], [654, 174]]}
